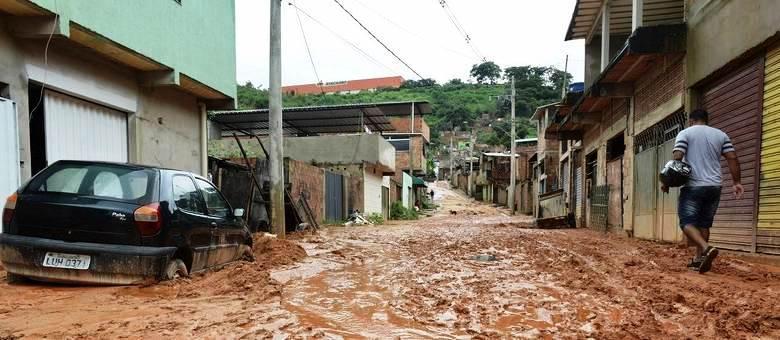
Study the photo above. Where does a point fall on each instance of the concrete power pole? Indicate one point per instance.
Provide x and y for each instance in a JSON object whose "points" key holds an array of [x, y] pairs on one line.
{"points": [[472, 138], [513, 163], [411, 149], [452, 152], [276, 161]]}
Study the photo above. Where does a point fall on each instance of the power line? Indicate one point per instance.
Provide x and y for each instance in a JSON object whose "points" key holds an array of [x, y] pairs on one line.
{"points": [[345, 40], [308, 50], [454, 20], [377, 39], [414, 34]]}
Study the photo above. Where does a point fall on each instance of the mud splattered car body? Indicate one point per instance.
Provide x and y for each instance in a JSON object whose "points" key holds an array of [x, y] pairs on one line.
{"points": [[108, 223]]}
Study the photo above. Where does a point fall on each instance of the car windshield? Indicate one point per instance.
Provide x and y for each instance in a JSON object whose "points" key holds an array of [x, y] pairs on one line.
{"points": [[116, 182]]}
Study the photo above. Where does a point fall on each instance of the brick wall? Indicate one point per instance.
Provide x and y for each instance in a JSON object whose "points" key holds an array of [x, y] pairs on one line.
{"points": [[659, 86], [308, 181], [617, 109], [402, 124], [402, 157]]}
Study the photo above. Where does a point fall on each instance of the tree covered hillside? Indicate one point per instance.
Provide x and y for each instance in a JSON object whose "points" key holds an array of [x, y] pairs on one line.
{"points": [[455, 103]]}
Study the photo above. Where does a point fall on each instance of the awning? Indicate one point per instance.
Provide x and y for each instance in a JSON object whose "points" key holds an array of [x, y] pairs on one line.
{"points": [[313, 120], [418, 182], [644, 49], [586, 19]]}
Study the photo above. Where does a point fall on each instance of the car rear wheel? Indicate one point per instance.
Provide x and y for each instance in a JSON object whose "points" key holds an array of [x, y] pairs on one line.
{"points": [[175, 269]]}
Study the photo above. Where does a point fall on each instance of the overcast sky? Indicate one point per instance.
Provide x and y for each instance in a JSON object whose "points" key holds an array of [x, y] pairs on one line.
{"points": [[508, 32]]}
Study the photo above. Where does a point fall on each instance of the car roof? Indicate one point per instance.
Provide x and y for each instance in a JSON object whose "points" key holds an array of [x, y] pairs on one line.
{"points": [[127, 164]]}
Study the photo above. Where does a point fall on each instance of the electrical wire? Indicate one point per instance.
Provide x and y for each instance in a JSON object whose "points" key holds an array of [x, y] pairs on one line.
{"points": [[414, 34], [308, 49], [377, 39], [345, 40], [46, 61], [454, 20]]}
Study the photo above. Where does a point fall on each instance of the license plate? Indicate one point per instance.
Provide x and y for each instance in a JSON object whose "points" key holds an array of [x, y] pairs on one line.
{"points": [[67, 261]]}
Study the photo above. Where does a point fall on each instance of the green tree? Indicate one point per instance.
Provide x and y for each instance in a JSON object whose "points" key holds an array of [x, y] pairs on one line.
{"points": [[411, 84], [486, 72], [252, 97], [456, 82]]}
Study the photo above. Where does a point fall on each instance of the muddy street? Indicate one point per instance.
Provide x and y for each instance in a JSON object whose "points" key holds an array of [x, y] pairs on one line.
{"points": [[478, 273]]}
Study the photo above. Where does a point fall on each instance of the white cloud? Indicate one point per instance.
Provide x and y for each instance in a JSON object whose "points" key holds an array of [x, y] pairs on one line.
{"points": [[509, 32]]}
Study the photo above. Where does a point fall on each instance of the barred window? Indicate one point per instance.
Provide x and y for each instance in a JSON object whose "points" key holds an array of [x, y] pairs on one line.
{"points": [[661, 132]]}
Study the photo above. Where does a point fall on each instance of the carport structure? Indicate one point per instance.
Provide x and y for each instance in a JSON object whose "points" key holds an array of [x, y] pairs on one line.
{"points": [[316, 120]]}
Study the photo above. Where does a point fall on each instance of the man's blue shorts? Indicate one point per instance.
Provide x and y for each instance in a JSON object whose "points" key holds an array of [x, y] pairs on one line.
{"points": [[697, 205]]}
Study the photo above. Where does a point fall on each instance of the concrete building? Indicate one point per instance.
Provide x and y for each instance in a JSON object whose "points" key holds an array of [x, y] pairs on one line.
{"points": [[526, 149], [112, 81], [344, 87], [647, 63], [343, 140], [411, 137]]}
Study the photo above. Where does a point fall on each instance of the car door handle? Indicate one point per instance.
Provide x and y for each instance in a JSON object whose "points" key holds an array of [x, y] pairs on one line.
{"points": [[213, 224]]}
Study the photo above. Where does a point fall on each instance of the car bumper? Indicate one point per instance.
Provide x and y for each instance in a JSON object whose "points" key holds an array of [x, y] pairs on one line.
{"points": [[110, 264]]}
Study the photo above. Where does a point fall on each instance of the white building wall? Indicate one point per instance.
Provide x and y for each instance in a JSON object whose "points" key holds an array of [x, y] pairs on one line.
{"points": [[406, 190]]}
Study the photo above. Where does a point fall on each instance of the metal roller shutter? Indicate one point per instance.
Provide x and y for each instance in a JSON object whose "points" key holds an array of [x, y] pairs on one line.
{"points": [[80, 130], [734, 103], [645, 192], [9, 149], [768, 234]]}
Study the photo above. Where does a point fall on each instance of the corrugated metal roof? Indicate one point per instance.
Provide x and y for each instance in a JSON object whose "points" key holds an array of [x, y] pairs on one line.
{"points": [[314, 120]]}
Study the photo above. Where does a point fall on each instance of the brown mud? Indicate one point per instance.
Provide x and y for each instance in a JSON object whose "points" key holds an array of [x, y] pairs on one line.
{"points": [[478, 273]]}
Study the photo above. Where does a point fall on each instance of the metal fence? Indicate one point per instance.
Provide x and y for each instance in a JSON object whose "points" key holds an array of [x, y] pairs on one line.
{"points": [[599, 207]]}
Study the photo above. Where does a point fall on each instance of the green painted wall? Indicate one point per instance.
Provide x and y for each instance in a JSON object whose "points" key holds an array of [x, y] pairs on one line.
{"points": [[197, 38]]}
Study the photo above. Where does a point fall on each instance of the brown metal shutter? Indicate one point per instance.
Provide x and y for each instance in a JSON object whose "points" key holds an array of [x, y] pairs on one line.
{"points": [[734, 103]]}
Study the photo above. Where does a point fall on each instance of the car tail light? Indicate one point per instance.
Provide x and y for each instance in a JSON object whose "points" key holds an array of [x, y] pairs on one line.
{"points": [[148, 219], [8, 210]]}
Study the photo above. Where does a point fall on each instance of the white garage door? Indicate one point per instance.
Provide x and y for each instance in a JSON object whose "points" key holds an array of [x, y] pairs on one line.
{"points": [[372, 189], [80, 130], [9, 149]]}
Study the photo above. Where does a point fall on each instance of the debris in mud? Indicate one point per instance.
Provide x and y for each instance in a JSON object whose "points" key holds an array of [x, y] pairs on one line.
{"points": [[484, 258]]}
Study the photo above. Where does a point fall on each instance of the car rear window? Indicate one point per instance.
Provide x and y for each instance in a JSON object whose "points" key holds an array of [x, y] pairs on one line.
{"points": [[117, 182]]}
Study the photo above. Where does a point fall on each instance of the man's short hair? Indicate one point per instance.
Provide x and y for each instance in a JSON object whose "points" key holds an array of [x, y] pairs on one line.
{"points": [[699, 115]]}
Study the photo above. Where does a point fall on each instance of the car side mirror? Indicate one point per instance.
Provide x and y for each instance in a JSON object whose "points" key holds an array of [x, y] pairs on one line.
{"points": [[238, 212]]}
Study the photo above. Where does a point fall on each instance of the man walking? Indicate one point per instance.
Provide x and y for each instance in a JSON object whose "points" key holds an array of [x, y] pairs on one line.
{"points": [[701, 146]]}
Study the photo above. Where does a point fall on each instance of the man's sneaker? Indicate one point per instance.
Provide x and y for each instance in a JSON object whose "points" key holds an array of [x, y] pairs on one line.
{"points": [[709, 255], [695, 263]]}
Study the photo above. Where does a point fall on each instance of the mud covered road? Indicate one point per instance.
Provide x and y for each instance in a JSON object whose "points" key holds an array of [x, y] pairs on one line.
{"points": [[477, 274]]}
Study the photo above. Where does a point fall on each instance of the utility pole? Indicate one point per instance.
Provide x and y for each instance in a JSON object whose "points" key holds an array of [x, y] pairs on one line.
{"points": [[276, 159], [471, 161], [411, 149], [565, 71], [452, 152], [513, 164]]}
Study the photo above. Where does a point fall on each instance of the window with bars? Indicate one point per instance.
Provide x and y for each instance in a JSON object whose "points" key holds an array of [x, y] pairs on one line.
{"points": [[661, 132]]}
